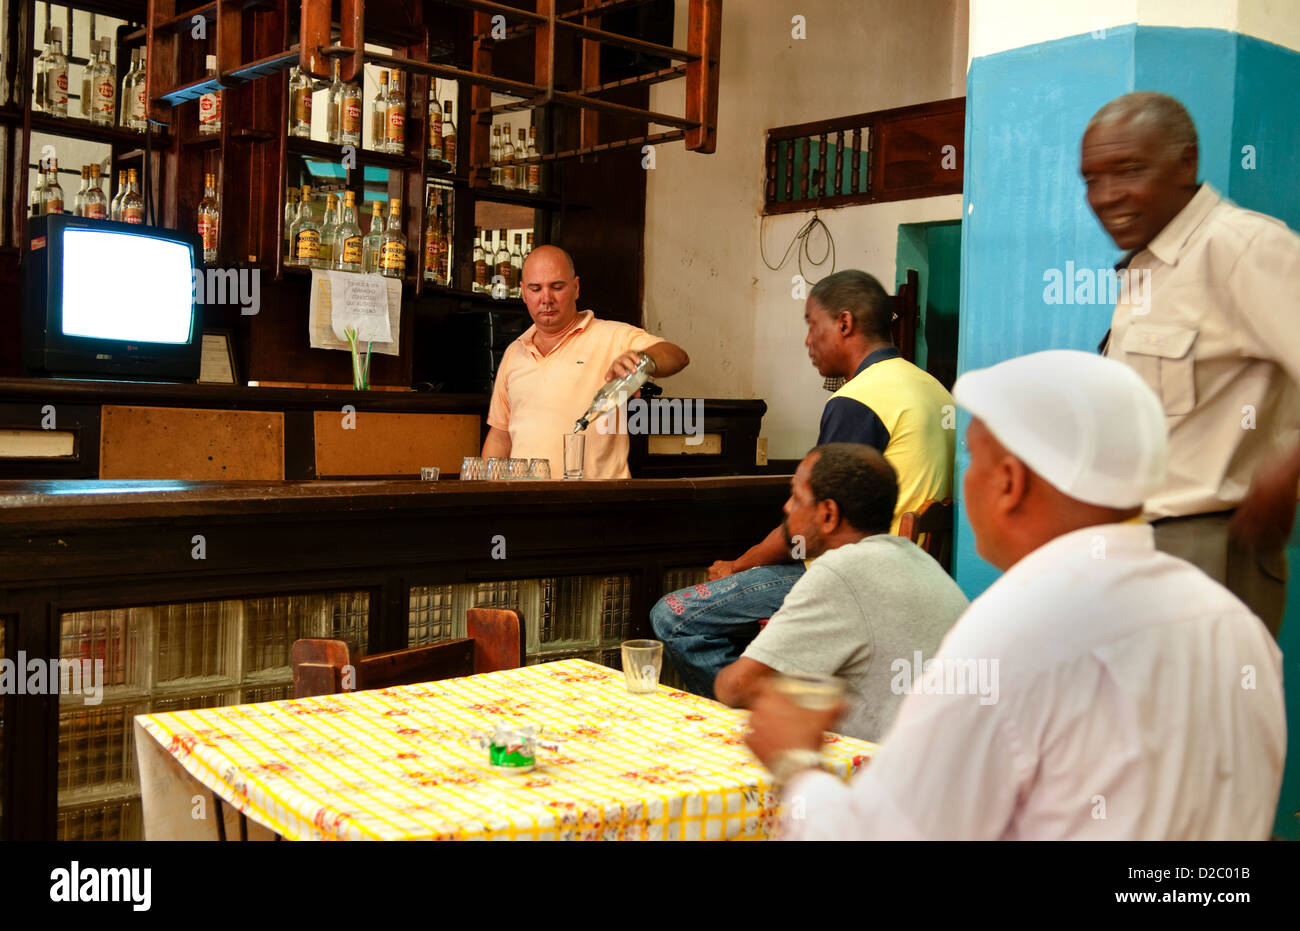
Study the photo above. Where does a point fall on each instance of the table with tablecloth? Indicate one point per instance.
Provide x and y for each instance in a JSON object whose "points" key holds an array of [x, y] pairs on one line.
{"points": [[402, 764]]}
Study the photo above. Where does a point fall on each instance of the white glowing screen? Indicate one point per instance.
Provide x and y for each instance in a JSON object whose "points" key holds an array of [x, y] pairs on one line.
{"points": [[127, 287]]}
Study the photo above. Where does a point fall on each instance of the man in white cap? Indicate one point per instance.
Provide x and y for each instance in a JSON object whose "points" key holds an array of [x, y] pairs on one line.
{"points": [[1133, 696]]}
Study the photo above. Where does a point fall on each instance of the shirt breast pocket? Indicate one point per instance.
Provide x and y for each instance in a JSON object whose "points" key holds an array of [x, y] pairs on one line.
{"points": [[1162, 354]]}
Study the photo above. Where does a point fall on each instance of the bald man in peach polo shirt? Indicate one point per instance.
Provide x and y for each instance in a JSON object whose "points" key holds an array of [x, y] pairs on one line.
{"points": [[549, 375]]}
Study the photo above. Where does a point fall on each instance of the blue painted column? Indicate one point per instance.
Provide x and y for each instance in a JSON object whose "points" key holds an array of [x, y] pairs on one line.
{"points": [[1025, 212]]}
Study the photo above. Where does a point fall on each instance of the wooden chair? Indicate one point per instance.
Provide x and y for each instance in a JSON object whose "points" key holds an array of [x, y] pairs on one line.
{"points": [[495, 642], [930, 527]]}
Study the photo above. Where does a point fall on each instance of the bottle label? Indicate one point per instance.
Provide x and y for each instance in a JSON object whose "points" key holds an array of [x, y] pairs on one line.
{"points": [[209, 109], [396, 124], [352, 115], [57, 81], [534, 175], [54, 205], [393, 255], [352, 250], [302, 106], [432, 252], [208, 231], [105, 92], [308, 244], [449, 148], [435, 141], [95, 211], [481, 273], [133, 214], [137, 107]]}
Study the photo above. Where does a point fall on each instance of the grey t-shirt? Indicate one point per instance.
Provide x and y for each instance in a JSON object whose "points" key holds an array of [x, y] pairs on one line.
{"points": [[857, 610]]}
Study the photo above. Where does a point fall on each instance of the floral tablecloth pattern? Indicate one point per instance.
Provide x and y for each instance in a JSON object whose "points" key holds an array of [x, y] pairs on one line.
{"points": [[401, 764]]}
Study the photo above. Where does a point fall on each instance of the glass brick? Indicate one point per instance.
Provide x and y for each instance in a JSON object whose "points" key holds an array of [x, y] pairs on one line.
{"points": [[351, 618], [432, 615], [117, 820], [96, 747], [115, 636], [616, 608], [267, 693], [271, 625], [198, 640], [190, 702]]}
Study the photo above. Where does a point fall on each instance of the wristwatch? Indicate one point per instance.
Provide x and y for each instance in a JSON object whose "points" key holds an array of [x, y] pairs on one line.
{"points": [[792, 762]]}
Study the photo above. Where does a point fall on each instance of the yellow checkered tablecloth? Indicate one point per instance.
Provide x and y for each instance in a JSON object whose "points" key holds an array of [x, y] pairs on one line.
{"points": [[400, 763]]}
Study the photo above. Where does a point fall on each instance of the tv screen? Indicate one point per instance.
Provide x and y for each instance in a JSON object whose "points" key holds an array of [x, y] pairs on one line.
{"points": [[110, 299]]}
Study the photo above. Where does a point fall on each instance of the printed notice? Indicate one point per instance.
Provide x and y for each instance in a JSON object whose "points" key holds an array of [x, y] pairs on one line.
{"points": [[370, 304]]}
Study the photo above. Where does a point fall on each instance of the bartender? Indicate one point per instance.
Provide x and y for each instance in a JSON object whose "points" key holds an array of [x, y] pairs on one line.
{"points": [[549, 375]]}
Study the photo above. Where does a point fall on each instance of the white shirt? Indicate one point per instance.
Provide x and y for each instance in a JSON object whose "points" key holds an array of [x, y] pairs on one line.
{"points": [[1136, 699]]}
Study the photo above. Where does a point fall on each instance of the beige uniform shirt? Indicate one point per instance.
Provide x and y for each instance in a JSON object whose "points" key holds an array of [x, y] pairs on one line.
{"points": [[1214, 329]]}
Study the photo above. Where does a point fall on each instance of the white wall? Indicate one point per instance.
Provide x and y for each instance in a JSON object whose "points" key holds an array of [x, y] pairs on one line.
{"points": [[707, 287]]}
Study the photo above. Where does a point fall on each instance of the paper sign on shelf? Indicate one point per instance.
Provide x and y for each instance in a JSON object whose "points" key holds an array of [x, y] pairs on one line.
{"points": [[370, 304]]}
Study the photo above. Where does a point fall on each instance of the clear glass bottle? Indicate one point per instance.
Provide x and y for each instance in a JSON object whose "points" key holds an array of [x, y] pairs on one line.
{"points": [[132, 202], [103, 87], [210, 103], [501, 268], [209, 216], [494, 156], [291, 226], [379, 114], [616, 390], [347, 240], [87, 100], [534, 169], [392, 254], [432, 270], [521, 172], [434, 150], [37, 200], [115, 208], [334, 105], [52, 201], [96, 205], [448, 135], [444, 225], [128, 90], [79, 201], [528, 245], [290, 217], [306, 235], [328, 228], [395, 116], [480, 263], [300, 93], [138, 103], [56, 75], [516, 266], [509, 172], [374, 240], [350, 114]]}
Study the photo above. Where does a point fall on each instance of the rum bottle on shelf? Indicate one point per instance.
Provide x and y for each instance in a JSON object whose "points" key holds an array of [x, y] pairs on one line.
{"points": [[347, 241], [37, 201], [528, 246], [300, 91], [103, 87], [334, 105], [379, 115], [516, 266], [508, 168], [392, 254], [501, 268], [350, 114], [306, 234], [209, 217], [115, 209], [448, 136], [395, 116], [534, 170], [494, 155], [128, 90], [290, 217], [480, 263], [210, 104], [96, 205], [136, 102], [79, 201], [52, 201], [374, 240], [328, 228], [87, 101], [435, 151], [132, 202], [56, 75], [521, 171]]}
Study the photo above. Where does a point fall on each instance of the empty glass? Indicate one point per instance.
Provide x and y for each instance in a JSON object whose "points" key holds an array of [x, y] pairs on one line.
{"points": [[472, 469], [429, 473], [539, 468], [816, 693], [642, 661], [575, 446], [517, 469], [496, 468]]}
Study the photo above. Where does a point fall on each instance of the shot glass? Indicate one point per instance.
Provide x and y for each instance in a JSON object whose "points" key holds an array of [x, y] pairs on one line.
{"points": [[429, 473], [575, 447], [472, 469], [816, 693], [642, 662], [496, 469], [539, 468]]}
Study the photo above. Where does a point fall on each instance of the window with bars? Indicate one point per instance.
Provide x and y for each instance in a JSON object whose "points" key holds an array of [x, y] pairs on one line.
{"points": [[867, 158]]}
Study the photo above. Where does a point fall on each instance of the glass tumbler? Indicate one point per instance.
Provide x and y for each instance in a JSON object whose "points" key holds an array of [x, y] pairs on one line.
{"points": [[575, 447], [642, 662], [472, 469], [539, 468], [496, 469]]}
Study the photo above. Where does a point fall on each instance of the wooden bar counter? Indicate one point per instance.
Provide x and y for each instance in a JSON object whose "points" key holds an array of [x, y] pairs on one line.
{"points": [[191, 593]]}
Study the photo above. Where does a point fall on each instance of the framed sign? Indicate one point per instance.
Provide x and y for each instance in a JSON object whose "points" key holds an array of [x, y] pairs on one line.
{"points": [[218, 360]]}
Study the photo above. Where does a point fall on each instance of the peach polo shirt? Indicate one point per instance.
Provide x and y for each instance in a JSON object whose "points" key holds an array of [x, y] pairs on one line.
{"points": [[537, 398]]}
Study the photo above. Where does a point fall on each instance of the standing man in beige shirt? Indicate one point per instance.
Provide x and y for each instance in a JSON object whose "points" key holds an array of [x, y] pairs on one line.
{"points": [[1208, 317]]}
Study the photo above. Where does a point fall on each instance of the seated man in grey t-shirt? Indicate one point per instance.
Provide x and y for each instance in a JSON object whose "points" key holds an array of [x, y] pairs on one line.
{"points": [[868, 601]]}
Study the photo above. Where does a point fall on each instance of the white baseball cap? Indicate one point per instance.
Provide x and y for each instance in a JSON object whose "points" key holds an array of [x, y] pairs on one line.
{"points": [[1090, 426]]}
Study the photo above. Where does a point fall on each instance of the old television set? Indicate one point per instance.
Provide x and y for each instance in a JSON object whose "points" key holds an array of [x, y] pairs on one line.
{"points": [[110, 300]]}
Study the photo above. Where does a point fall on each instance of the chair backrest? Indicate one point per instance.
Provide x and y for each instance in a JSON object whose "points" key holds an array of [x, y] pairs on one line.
{"points": [[324, 667], [930, 527]]}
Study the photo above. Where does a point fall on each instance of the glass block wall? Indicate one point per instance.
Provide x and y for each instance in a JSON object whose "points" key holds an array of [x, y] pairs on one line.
{"points": [[169, 658]]}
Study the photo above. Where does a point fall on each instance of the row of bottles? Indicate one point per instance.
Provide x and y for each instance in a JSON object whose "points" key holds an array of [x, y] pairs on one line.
{"points": [[127, 205], [335, 242], [515, 177], [498, 269], [100, 94]]}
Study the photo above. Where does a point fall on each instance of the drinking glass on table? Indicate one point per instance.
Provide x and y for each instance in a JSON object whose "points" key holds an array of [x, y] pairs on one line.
{"points": [[816, 693], [539, 468], [575, 447], [642, 662], [496, 468], [429, 473], [472, 469], [517, 469]]}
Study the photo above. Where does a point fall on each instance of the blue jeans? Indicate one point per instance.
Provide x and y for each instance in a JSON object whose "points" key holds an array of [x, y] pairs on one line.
{"points": [[706, 627]]}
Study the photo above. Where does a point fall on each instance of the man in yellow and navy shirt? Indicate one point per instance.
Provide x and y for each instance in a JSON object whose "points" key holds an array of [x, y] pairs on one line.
{"points": [[888, 403]]}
